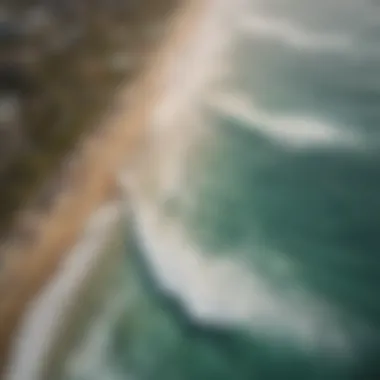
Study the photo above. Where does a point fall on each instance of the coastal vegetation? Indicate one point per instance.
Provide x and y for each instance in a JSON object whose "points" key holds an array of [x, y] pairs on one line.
{"points": [[60, 65]]}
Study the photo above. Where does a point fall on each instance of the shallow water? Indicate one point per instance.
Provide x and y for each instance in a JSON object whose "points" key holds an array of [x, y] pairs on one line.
{"points": [[253, 251]]}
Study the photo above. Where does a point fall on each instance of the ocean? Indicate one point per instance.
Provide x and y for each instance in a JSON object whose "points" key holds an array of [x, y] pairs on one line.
{"points": [[251, 223]]}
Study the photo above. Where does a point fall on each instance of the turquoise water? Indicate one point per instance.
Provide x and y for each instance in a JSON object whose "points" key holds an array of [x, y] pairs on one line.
{"points": [[254, 247]]}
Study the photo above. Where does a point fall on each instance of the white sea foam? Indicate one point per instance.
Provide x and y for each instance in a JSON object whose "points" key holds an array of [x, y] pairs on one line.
{"points": [[227, 292], [293, 130], [194, 65], [90, 359], [260, 26], [178, 122], [43, 320]]}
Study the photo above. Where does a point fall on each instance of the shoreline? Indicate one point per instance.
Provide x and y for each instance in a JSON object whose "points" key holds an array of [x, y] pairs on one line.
{"points": [[56, 320], [27, 269]]}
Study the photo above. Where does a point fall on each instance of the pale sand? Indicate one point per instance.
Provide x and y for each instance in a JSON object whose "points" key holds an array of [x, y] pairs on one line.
{"points": [[101, 158]]}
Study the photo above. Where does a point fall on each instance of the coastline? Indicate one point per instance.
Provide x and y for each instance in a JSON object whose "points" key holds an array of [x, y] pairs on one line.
{"points": [[28, 268], [60, 313]]}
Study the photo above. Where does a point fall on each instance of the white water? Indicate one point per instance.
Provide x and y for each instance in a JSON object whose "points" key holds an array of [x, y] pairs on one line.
{"points": [[45, 317]]}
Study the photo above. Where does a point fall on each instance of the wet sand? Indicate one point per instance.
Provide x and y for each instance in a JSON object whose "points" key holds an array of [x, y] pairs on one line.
{"points": [[27, 268]]}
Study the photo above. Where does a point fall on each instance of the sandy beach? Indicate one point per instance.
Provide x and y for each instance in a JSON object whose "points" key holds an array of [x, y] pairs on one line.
{"points": [[28, 268]]}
